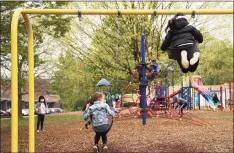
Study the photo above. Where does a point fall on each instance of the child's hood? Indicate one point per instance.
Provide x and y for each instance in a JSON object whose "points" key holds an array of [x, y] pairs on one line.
{"points": [[181, 25], [186, 29], [97, 102]]}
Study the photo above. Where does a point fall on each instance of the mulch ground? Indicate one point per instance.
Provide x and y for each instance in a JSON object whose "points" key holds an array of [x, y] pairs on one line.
{"points": [[159, 135]]}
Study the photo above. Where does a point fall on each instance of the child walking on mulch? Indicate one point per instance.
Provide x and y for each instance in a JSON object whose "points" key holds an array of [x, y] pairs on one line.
{"points": [[101, 123], [181, 103], [181, 43]]}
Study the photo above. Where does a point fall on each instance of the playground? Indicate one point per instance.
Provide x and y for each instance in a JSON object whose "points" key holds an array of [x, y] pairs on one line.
{"points": [[159, 135], [152, 76]]}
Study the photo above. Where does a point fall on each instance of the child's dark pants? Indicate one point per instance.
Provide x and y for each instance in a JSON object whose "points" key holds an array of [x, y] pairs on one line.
{"points": [[182, 107], [40, 120], [176, 55], [100, 134], [102, 131]]}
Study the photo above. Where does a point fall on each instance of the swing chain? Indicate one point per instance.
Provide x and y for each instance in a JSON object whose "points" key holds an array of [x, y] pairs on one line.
{"points": [[193, 14], [79, 15], [155, 13], [156, 25], [118, 31], [119, 14]]}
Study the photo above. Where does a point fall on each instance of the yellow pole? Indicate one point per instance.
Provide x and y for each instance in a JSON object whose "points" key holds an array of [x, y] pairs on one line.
{"points": [[31, 138], [126, 12], [14, 56], [14, 81]]}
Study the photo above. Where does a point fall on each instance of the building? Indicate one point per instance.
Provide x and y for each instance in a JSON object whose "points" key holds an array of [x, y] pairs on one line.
{"points": [[41, 88]]}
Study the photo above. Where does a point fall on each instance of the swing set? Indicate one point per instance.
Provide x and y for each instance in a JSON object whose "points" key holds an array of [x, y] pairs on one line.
{"points": [[14, 57]]}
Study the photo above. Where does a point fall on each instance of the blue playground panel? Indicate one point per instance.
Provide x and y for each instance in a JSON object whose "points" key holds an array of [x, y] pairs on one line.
{"points": [[186, 94]]}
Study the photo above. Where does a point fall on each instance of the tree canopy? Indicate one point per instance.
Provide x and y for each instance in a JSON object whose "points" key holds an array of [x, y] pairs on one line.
{"points": [[102, 46]]}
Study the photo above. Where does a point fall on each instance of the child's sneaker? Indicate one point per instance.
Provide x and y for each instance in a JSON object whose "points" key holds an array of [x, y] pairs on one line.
{"points": [[195, 58], [95, 149], [104, 149], [214, 109], [38, 130], [86, 125], [184, 60]]}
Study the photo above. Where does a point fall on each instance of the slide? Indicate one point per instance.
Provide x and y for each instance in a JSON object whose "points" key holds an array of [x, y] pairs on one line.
{"points": [[204, 92], [175, 93]]}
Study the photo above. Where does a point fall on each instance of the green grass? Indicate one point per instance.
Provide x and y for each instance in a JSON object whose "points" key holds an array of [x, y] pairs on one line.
{"points": [[48, 119]]}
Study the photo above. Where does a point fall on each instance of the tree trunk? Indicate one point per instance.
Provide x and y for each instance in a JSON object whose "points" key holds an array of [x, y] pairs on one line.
{"points": [[20, 85], [19, 103]]}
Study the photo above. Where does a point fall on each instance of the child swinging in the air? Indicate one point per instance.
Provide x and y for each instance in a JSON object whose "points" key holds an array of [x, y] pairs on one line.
{"points": [[181, 43]]}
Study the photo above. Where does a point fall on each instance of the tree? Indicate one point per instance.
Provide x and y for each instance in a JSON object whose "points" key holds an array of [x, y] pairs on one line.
{"points": [[105, 44], [217, 62], [42, 26], [73, 82]]}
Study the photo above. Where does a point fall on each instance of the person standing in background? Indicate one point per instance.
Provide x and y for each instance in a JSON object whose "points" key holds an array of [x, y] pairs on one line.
{"points": [[41, 111]]}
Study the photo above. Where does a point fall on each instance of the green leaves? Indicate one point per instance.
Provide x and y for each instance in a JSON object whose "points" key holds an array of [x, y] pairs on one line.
{"points": [[217, 62], [102, 46]]}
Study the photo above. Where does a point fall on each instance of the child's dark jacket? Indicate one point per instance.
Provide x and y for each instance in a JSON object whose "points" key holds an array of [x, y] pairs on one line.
{"points": [[184, 33]]}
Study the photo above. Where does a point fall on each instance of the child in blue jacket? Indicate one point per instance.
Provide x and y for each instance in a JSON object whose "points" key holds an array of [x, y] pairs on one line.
{"points": [[101, 123], [154, 69]]}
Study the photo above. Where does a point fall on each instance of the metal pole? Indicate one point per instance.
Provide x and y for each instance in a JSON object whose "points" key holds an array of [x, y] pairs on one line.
{"points": [[199, 103], [194, 99], [166, 85], [190, 94], [230, 94], [31, 84], [225, 93], [221, 95], [173, 81], [14, 46], [14, 80], [143, 84]]}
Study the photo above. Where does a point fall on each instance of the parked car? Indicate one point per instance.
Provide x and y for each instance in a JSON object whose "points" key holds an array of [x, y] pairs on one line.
{"points": [[8, 112], [48, 111], [55, 110], [52, 110], [58, 110], [25, 112], [3, 113]]}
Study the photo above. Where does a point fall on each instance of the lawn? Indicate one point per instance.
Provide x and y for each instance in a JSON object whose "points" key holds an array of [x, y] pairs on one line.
{"points": [[61, 117], [66, 133]]}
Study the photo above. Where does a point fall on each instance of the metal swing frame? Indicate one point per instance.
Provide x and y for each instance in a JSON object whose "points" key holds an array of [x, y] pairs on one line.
{"points": [[14, 54]]}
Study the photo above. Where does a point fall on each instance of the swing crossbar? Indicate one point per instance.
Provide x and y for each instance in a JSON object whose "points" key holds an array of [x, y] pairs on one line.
{"points": [[127, 12], [14, 54]]}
